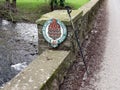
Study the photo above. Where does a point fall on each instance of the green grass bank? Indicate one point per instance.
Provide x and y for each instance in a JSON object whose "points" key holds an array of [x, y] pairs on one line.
{"points": [[31, 10]]}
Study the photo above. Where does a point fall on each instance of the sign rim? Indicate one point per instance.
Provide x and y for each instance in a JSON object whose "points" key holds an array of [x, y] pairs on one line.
{"points": [[60, 39]]}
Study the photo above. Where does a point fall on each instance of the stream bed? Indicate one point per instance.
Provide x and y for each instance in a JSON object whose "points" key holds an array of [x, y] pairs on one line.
{"points": [[18, 47]]}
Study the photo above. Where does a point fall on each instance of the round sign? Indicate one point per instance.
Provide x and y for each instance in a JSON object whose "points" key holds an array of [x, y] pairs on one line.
{"points": [[54, 32]]}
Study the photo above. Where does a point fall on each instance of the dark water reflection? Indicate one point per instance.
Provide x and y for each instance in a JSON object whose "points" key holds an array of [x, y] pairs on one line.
{"points": [[18, 45]]}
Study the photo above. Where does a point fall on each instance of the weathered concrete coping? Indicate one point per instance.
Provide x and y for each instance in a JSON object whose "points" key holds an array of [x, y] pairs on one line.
{"points": [[61, 15], [88, 6], [38, 72]]}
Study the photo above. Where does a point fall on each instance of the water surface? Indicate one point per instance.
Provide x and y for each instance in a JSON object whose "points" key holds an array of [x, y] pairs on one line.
{"points": [[18, 47]]}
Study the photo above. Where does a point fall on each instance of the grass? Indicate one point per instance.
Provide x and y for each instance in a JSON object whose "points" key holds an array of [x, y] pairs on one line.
{"points": [[34, 4], [76, 3], [30, 10]]}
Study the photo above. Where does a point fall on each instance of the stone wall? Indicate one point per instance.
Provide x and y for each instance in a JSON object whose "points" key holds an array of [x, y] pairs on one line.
{"points": [[82, 20], [48, 70]]}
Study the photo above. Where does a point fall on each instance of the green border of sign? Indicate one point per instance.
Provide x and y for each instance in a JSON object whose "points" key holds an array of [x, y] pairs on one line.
{"points": [[48, 39]]}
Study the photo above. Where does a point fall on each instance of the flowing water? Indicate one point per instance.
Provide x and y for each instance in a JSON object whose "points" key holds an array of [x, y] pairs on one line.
{"points": [[18, 47]]}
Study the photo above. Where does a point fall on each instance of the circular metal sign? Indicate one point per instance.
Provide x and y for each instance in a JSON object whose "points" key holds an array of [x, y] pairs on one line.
{"points": [[54, 32]]}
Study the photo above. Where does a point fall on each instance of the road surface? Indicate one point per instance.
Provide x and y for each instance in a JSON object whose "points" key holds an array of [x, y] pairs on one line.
{"points": [[110, 72], [105, 70]]}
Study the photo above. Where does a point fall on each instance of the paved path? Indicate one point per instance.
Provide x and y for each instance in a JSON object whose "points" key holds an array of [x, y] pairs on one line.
{"points": [[110, 72]]}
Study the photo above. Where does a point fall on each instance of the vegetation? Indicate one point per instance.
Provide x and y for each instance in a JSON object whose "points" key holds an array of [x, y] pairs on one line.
{"points": [[30, 10], [76, 3]]}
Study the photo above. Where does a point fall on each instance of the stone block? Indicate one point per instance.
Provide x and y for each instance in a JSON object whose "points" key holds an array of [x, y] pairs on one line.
{"points": [[44, 73]]}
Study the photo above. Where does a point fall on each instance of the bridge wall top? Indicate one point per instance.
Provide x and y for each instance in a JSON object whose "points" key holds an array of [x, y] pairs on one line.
{"points": [[48, 70]]}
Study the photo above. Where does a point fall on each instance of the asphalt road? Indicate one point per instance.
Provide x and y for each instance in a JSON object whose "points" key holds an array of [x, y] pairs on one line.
{"points": [[110, 71], [105, 62]]}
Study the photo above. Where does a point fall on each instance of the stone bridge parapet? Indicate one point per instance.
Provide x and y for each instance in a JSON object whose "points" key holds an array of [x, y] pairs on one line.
{"points": [[48, 70]]}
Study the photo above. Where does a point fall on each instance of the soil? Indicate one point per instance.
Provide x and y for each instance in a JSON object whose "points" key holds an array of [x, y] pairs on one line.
{"points": [[26, 16]]}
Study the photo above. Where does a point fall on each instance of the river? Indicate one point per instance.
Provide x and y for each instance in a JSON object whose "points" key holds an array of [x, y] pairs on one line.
{"points": [[18, 47]]}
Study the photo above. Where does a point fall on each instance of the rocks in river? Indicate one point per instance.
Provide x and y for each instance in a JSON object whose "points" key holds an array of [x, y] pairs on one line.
{"points": [[19, 66], [18, 47]]}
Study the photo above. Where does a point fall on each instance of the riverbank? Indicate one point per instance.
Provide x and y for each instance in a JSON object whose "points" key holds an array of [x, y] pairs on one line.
{"points": [[24, 14], [30, 11]]}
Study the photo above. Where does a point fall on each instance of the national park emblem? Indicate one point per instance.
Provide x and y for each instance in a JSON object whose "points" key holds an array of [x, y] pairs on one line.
{"points": [[54, 32]]}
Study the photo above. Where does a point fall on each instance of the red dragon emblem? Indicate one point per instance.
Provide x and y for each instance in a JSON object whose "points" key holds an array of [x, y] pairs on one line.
{"points": [[54, 30]]}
